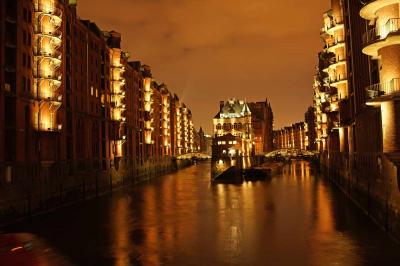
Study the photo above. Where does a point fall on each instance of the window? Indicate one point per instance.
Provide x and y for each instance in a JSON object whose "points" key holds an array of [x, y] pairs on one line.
{"points": [[25, 14], [24, 59], [8, 174], [227, 127], [24, 37], [23, 83]]}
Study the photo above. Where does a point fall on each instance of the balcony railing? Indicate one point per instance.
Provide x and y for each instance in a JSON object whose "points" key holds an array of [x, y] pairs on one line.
{"points": [[382, 89], [339, 39], [335, 61], [47, 96], [337, 79], [55, 53], [56, 33], [49, 10], [50, 128], [335, 21], [55, 80], [380, 33]]}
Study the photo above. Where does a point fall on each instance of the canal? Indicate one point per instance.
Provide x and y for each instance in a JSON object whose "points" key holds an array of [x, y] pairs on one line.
{"points": [[181, 219]]}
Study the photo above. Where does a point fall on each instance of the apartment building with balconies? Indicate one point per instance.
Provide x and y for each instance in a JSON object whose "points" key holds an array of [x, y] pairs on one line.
{"points": [[335, 65], [381, 43], [357, 121]]}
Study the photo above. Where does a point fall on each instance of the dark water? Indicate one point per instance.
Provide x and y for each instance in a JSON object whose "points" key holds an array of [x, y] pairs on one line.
{"points": [[181, 219]]}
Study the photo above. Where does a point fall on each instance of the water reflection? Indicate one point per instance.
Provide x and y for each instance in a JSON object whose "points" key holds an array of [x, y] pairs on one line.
{"points": [[181, 219]]}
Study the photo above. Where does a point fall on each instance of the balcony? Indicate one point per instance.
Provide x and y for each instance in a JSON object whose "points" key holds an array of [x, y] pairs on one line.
{"points": [[53, 53], [47, 68], [335, 24], [121, 81], [379, 37], [382, 91], [50, 128], [49, 10], [334, 63], [337, 80], [55, 33], [53, 60], [54, 81], [120, 68], [339, 41], [368, 12], [47, 96]]}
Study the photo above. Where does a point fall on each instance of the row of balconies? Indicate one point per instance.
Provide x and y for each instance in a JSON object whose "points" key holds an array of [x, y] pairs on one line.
{"points": [[48, 60]]}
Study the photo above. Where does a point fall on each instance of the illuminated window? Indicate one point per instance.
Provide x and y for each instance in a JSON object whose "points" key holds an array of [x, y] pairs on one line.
{"points": [[223, 151], [8, 175]]}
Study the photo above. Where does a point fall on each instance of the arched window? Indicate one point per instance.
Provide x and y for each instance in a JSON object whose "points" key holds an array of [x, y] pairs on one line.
{"points": [[219, 127], [227, 126]]}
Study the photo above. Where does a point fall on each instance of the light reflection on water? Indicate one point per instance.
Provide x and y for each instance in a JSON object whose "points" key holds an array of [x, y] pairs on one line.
{"points": [[181, 219]]}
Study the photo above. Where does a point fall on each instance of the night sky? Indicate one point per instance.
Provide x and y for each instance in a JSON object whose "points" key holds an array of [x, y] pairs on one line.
{"points": [[212, 50]]}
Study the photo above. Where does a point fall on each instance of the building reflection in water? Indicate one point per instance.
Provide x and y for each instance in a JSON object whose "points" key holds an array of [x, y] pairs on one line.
{"points": [[120, 231], [295, 218]]}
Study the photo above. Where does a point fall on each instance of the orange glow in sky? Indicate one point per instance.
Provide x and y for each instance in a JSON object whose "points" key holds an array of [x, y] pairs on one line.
{"points": [[212, 50]]}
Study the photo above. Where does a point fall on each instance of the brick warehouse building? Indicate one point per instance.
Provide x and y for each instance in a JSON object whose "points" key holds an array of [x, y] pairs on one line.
{"points": [[292, 137], [76, 113], [263, 122]]}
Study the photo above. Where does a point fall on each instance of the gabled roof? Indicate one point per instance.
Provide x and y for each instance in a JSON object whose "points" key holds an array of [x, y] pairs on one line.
{"points": [[233, 108]]}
